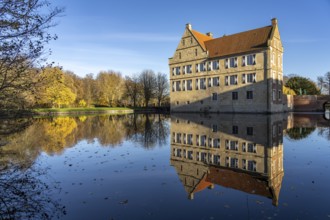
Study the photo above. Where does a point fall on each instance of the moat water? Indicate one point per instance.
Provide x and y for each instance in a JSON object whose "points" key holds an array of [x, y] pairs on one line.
{"points": [[181, 166]]}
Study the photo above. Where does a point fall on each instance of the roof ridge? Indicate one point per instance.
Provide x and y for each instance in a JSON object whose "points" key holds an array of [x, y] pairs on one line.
{"points": [[242, 32]]}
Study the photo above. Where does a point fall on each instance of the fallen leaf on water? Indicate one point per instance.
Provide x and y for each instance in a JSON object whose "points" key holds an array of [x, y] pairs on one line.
{"points": [[123, 202]]}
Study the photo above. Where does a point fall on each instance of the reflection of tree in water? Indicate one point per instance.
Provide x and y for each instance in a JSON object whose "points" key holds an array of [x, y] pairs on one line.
{"points": [[324, 132], [23, 195], [298, 133], [54, 135], [148, 130]]}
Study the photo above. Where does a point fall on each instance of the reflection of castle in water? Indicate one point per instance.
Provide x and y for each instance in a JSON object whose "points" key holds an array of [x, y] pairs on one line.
{"points": [[242, 152]]}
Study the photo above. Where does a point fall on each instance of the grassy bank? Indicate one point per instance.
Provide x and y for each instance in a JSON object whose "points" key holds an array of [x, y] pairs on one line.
{"points": [[101, 109], [81, 111]]}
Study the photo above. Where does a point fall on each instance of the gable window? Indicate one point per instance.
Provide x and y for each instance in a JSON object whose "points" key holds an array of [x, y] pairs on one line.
{"points": [[183, 42], [249, 94], [180, 55], [249, 60], [234, 95], [196, 52], [214, 96], [191, 40], [216, 81], [231, 62]]}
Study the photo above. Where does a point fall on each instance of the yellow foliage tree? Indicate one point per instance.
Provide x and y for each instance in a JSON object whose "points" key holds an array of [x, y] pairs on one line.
{"points": [[288, 91], [54, 91]]}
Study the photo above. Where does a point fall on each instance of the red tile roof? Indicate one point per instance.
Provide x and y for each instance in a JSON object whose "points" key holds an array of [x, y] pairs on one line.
{"points": [[201, 38], [237, 43]]}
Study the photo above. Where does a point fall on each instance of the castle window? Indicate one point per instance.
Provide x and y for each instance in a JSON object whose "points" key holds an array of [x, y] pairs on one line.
{"points": [[188, 70], [214, 96], [249, 130], [234, 95], [231, 80], [189, 84], [216, 143], [190, 155], [279, 95], [231, 62], [249, 60], [177, 70], [235, 129], [202, 83], [216, 81], [209, 66], [252, 165], [249, 94], [200, 67], [178, 86], [216, 159], [249, 78], [252, 148], [215, 64]]}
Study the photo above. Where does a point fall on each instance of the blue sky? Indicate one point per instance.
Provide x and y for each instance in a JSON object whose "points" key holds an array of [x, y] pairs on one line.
{"points": [[132, 35]]}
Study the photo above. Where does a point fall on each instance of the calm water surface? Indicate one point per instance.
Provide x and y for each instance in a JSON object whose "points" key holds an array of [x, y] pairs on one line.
{"points": [[183, 166]]}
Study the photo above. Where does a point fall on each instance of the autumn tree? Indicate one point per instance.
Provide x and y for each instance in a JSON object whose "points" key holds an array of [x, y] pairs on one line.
{"points": [[24, 26], [162, 88], [148, 83], [110, 88], [133, 89], [54, 91]]}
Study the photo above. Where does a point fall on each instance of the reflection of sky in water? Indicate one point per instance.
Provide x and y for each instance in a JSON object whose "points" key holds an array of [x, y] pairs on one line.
{"points": [[128, 181]]}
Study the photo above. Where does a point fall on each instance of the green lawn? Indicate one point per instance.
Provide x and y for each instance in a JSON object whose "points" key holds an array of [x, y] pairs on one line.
{"points": [[79, 109]]}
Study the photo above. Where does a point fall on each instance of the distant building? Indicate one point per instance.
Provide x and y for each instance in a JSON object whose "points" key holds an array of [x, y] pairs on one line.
{"points": [[241, 152], [242, 72]]}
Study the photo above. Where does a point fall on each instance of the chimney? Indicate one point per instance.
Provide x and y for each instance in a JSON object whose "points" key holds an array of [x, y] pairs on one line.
{"points": [[209, 34], [274, 21], [188, 26]]}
